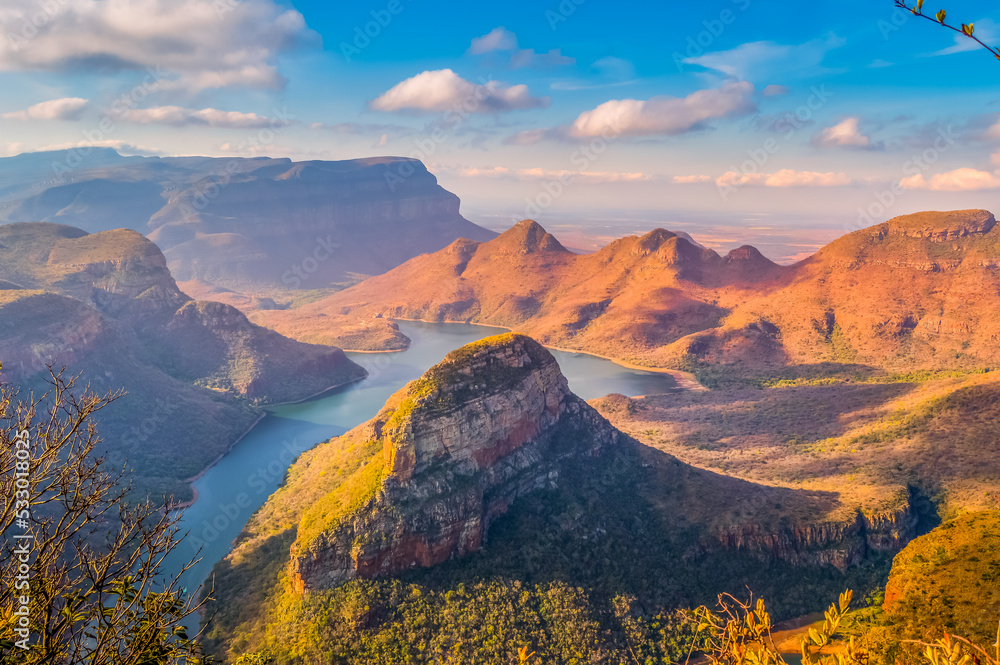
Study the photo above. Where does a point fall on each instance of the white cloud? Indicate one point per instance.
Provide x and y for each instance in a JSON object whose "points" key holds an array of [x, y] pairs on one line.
{"points": [[844, 134], [11, 149], [176, 116], [123, 147], [985, 29], [502, 40], [690, 179], [783, 178], [959, 180], [754, 61], [547, 174], [665, 115], [498, 39], [198, 44], [68, 108], [443, 90], [775, 90]]}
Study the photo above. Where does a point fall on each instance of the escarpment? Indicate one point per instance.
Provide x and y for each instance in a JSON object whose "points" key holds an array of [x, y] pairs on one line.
{"points": [[246, 225], [489, 424], [838, 544], [123, 277], [106, 307]]}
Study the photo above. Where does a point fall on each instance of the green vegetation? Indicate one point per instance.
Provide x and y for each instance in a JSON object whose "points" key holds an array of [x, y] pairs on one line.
{"points": [[949, 581], [356, 491], [490, 371], [592, 570], [934, 435]]}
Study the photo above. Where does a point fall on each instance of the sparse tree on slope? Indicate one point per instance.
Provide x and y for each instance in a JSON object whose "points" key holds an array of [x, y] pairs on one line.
{"points": [[92, 590]]}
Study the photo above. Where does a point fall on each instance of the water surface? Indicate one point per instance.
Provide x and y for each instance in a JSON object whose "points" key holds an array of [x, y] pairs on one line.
{"points": [[232, 490]]}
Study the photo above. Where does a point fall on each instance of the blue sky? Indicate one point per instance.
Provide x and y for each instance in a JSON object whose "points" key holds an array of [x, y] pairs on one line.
{"points": [[832, 114]]}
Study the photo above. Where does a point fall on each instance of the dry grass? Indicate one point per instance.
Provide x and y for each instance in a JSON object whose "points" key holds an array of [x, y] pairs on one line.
{"points": [[867, 442]]}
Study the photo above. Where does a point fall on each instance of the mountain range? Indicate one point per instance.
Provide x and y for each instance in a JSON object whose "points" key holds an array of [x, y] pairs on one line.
{"points": [[233, 226], [659, 300], [106, 307]]}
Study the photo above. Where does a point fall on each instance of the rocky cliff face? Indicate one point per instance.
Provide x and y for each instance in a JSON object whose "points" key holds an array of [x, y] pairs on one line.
{"points": [[105, 307], [124, 278], [837, 544], [36, 327], [249, 224], [461, 444]]}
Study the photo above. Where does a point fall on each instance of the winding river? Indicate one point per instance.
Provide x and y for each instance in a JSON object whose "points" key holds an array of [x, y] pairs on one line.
{"points": [[239, 483]]}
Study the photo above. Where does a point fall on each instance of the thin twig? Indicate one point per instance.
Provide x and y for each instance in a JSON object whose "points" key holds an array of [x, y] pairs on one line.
{"points": [[917, 12]]}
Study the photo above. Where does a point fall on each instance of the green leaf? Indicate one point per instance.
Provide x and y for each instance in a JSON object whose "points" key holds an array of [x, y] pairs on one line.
{"points": [[967, 29], [940, 16]]}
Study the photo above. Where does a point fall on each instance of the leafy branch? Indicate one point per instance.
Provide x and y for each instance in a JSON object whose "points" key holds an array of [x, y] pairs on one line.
{"points": [[967, 29]]}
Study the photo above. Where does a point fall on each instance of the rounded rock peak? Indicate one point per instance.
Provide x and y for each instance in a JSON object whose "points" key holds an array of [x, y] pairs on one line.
{"points": [[528, 237], [747, 253], [655, 239], [511, 349]]}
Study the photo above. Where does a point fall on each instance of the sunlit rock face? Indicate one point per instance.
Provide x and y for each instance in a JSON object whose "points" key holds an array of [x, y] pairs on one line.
{"points": [[489, 424]]}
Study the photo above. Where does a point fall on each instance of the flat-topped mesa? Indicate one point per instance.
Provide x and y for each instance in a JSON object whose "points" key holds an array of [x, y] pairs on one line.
{"points": [[939, 226], [488, 424]]}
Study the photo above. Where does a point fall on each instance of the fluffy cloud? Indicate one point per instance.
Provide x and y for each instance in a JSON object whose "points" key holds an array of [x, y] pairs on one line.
{"points": [[665, 115], [959, 180], [198, 44], [443, 90], [844, 134], [176, 116], [690, 179], [783, 178], [68, 108]]}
